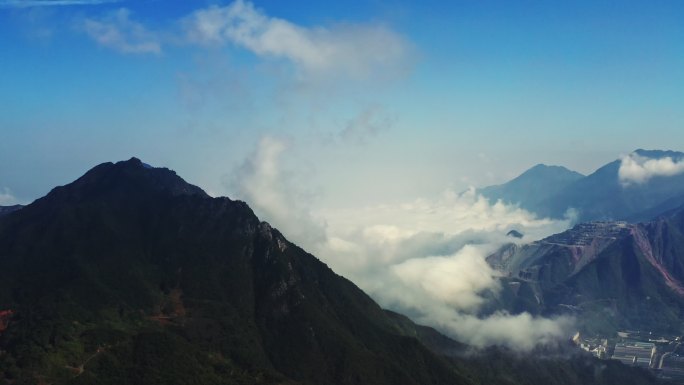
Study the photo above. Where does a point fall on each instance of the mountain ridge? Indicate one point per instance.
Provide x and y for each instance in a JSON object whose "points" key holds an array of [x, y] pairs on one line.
{"points": [[600, 195], [532, 186]]}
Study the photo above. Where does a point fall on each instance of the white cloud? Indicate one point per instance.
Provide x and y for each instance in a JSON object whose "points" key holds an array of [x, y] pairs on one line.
{"points": [[442, 279], [353, 50], [119, 32], [521, 331], [51, 3], [635, 168], [6, 197], [424, 258], [437, 278], [263, 183]]}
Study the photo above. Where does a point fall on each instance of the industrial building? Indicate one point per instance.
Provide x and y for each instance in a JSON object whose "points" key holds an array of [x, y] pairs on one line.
{"points": [[635, 353]]}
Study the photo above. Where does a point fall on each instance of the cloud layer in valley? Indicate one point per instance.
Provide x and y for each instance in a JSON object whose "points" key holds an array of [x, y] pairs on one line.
{"points": [[637, 169], [424, 258]]}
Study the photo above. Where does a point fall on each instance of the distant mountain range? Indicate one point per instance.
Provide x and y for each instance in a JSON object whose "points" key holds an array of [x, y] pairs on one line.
{"points": [[129, 275], [533, 187], [611, 275], [550, 191]]}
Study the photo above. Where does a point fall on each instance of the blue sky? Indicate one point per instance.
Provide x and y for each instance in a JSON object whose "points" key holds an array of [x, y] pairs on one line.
{"points": [[382, 101]]}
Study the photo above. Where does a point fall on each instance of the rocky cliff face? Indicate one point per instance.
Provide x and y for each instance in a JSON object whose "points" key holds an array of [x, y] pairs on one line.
{"points": [[628, 275], [569, 251]]}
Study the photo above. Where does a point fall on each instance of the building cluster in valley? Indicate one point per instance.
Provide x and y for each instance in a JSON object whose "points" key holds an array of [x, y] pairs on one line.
{"points": [[664, 355]]}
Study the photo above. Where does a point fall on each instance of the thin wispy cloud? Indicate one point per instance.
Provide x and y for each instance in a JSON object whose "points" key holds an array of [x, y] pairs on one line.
{"points": [[118, 31], [51, 3], [353, 50], [367, 124]]}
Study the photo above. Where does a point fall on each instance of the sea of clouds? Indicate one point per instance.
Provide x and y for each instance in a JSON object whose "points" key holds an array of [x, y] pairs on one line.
{"points": [[424, 258]]}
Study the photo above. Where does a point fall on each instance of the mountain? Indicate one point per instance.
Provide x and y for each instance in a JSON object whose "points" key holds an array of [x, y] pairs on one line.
{"points": [[601, 195], [130, 275], [598, 196], [155, 282], [4, 210], [612, 275], [532, 187]]}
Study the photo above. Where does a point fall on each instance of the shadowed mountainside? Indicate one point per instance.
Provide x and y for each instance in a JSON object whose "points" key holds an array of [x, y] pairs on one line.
{"points": [[4, 210]]}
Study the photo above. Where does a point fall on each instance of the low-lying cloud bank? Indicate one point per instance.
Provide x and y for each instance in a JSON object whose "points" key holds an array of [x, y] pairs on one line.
{"points": [[637, 169], [424, 258], [520, 332]]}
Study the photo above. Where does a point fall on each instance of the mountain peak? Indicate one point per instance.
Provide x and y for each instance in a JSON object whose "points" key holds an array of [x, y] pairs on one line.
{"points": [[135, 162], [125, 179], [541, 166], [532, 186], [549, 169]]}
